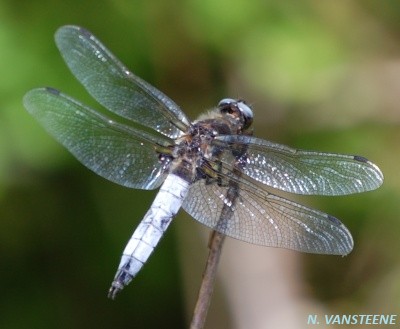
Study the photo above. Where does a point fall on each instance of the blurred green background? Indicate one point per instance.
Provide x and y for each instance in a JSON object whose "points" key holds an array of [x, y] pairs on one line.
{"points": [[321, 75]]}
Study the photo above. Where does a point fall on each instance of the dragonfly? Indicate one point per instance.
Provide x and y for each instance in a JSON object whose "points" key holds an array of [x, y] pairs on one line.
{"points": [[212, 167]]}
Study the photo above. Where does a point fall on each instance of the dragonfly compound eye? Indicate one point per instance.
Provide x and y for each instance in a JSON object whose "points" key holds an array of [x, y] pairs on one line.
{"points": [[246, 112]]}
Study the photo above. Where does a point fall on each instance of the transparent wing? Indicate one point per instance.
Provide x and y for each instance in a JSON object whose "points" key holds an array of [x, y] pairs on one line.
{"points": [[114, 86], [122, 154], [262, 218], [298, 171]]}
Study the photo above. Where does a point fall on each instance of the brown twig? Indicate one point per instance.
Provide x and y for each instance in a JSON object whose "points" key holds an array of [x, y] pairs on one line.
{"points": [[207, 284]]}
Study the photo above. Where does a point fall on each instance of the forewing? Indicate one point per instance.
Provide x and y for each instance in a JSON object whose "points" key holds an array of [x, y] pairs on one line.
{"points": [[298, 171], [114, 86], [122, 154], [265, 219]]}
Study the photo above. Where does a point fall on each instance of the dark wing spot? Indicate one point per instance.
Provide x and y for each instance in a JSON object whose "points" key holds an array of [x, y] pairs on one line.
{"points": [[360, 158], [53, 91], [85, 32], [334, 220]]}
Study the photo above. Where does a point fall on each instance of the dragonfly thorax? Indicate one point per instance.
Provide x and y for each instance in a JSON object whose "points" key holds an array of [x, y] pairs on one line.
{"points": [[230, 117]]}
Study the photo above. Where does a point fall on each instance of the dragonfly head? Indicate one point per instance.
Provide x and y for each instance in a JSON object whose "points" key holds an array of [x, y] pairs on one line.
{"points": [[238, 110]]}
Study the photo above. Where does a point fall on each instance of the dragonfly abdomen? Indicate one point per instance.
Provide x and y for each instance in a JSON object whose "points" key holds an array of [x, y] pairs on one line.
{"points": [[150, 230]]}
